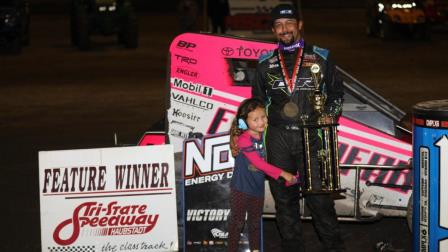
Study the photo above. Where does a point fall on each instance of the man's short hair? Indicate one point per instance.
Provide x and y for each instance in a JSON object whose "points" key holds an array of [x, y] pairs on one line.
{"points": [[284, 11]]}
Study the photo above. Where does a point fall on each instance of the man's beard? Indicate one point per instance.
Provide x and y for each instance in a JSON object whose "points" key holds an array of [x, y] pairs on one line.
{"points": [[290, 42]]}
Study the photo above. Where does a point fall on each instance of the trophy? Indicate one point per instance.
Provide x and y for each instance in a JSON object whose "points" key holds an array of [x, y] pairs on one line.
{"points": [[317, 98], [327, 153]]}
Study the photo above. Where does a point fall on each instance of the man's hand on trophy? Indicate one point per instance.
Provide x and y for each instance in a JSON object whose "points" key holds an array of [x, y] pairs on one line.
{"points": [[328, 119]]}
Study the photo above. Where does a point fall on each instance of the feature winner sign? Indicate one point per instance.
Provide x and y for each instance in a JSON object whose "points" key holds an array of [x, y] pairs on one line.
{"points": [[111, 199]]}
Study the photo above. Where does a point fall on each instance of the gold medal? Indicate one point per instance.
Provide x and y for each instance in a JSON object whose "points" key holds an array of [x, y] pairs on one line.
{"points": [[291, 110]]}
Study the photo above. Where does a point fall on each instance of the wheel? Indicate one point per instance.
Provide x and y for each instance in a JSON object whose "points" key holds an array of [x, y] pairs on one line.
{"points": [[371, 17], [371, 28], [386, 30], [371, 25], [81, 31], [26, 38], [421, 32], [131, 34], [120, 37], [73, 31], [26, 32], [16, 45], [129, 31], [409, 212]]}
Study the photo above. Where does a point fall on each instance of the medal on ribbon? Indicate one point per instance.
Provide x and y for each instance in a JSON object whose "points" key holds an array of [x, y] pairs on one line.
{"points": [[290, 109]]}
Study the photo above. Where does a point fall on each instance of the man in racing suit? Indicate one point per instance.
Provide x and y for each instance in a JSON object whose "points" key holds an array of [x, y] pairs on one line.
{"points": [[284, 81]]}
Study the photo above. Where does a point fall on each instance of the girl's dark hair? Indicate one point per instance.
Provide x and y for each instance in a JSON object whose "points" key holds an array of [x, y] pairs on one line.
{"points": [[244, 109]]}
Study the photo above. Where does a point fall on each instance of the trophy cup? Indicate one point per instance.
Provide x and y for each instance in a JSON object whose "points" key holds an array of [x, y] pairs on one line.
{"points": [[327, 153], [317, 99]]}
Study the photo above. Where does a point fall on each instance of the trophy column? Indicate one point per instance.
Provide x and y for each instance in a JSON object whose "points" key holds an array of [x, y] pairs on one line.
{"points": [[327, 154]]}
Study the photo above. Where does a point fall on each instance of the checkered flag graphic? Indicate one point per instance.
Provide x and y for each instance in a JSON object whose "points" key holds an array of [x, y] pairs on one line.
{"points": [[72, 249]]}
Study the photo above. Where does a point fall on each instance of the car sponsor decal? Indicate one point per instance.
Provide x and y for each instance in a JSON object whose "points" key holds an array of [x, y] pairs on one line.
{"points": [[185, 59], [185, 45]]}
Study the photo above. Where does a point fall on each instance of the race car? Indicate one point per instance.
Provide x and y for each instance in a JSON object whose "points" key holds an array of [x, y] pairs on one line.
{"points": [[209, 76], [388, 18], [436, 11], [103, 17], [14, 25]]}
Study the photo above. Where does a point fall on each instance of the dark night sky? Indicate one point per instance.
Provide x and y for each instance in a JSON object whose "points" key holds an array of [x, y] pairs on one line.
{"points": [[170, 5], [44, 6]]}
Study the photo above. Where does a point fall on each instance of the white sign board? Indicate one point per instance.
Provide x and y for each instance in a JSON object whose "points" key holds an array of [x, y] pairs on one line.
{"points": [[110, 199]]}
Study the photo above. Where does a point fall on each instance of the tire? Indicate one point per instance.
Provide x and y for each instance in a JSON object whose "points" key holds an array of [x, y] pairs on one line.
{"points": [[371, 26], [26, 33], [131, 38], [129, 32], [421, 32], [371, 29], [386, 30], [73, 30], [81, 31], [409, 212], [371, 18], [26, 38], [15, 45], [120, 37]]}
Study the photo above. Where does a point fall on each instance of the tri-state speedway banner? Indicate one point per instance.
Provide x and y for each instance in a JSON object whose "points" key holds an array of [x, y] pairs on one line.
{"points": [[110, 199]]}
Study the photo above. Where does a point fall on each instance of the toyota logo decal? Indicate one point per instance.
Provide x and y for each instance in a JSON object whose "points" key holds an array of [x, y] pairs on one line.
{"points": [[227, 51]]}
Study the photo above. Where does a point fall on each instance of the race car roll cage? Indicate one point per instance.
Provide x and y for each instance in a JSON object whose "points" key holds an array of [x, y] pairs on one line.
{"points": [[357, 215]]}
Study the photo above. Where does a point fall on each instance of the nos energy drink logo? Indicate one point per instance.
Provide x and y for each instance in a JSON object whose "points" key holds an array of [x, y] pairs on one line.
{"points": [[193, 87], [208, 161]]}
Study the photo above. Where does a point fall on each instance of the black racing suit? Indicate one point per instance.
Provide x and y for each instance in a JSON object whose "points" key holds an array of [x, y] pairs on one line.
{"points": [[285, 147]]}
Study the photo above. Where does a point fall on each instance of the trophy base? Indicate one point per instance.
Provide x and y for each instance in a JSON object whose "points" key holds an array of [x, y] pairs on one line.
{"points": [[336, 193]]}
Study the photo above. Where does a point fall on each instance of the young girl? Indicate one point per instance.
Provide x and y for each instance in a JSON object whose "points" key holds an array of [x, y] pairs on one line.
{"points": [[247, 184]]}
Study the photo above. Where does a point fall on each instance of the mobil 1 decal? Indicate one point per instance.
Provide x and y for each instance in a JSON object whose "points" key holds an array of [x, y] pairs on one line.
{"points": [[207, 167]]}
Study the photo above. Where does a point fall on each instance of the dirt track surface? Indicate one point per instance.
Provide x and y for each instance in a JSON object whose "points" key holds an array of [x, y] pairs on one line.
{"points": [[55, 97]]}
